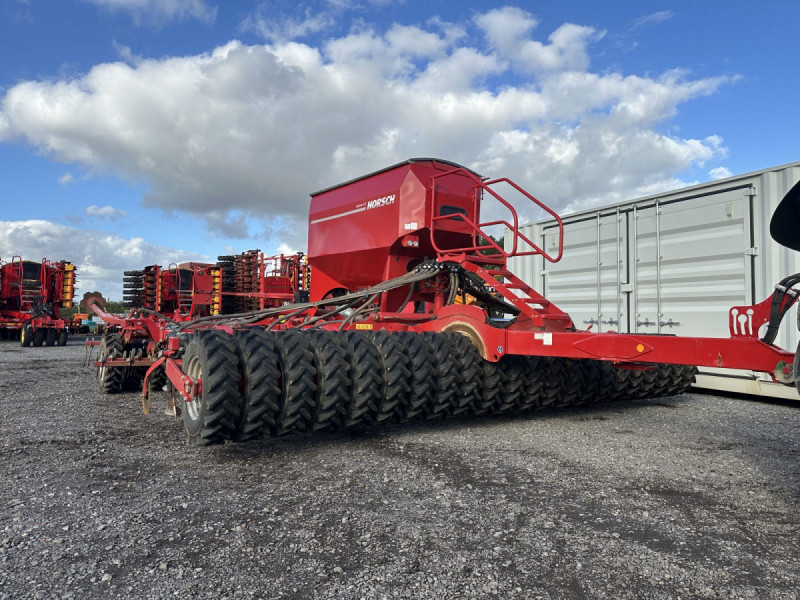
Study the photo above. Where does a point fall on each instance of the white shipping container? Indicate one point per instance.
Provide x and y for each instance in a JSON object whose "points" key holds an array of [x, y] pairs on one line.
{"points": [[673, 263]]}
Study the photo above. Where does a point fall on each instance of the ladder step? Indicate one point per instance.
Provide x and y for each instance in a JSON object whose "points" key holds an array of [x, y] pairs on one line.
{"points": [[543, 302]]}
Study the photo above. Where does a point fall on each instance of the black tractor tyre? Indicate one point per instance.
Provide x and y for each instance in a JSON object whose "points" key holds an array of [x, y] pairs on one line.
{"points": [[393, 375], [52, 336], [258, 369], [663, 381], [648, 388], [423, 375], [110, 379], [564, 383], [297, 383], [39, 336], [468, 372], [534, 376], [550, 379], [210, 418], [63, 337], [443, 377], [363, 394], [512, 383], [489, 390], [688, 377], [589, 374], [329, 400], [612, 385], [26, 336]]}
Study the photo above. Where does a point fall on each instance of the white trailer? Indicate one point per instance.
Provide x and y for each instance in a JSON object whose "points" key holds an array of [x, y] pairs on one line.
{"points": [[673, 263]]}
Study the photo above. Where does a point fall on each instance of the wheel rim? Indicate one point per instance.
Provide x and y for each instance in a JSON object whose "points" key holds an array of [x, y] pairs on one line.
{"points": [[102, 372], [193, 369]]}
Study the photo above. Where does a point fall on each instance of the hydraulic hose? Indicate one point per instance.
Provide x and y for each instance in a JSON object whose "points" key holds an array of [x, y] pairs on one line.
{"points": [[776, 313], [420, 273]]}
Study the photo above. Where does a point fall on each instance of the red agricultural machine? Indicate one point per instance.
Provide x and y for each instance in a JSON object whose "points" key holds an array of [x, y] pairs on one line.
{"points": [[241, 283], [383, 336], [31, 296], [184, 291], [252, 281]]}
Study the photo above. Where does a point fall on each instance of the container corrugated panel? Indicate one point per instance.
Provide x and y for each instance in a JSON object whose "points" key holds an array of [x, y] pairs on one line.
{"points": [[673, 263]]}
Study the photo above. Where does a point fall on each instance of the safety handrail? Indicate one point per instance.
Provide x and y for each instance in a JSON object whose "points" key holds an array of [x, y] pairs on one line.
{"points": [[478, 228]]}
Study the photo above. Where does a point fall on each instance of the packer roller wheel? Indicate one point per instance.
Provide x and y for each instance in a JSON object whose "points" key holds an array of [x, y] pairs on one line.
{"points": [[566, 380], [468, 372], [612, 386], [422, 377], [363, 396], [688, 376], [296, 377], [393, 375], [534, 380], [488, 389], [512, 382], [443, 375], [329, 400], [622, 384], [589, 392], [258, 369]]}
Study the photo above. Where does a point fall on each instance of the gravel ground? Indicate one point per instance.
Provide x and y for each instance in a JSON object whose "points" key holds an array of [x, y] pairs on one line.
{"points": [[686, 497]]}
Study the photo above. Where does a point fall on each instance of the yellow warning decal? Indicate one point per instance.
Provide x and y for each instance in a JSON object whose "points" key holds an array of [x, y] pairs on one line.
{"points": [[364, 326]]}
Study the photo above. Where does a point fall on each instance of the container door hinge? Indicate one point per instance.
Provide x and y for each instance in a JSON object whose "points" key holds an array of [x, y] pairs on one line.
{"points": [[751, 251]]}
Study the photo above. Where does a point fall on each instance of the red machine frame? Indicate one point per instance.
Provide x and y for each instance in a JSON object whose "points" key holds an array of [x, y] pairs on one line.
{"points": [[35, 312], [452, 244]]}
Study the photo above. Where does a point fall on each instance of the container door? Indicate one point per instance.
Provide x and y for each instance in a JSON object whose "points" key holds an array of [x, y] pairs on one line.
{"points": [[590, 280], [692, 261]]}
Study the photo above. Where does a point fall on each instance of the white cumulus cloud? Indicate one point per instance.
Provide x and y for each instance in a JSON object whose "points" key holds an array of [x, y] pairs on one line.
{"points": [[107, 213], [246, 132], [100, 257], [158, 12], [720, 173]]}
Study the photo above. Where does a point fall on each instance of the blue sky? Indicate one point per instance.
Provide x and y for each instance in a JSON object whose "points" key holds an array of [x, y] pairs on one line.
{"points": [[143, 131]]}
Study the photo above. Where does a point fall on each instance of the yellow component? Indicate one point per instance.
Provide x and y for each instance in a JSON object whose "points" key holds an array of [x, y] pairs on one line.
{"points": [[68, 290], [157, 306], [366, 326], [216, 291], [640, 347], [465, 299]]}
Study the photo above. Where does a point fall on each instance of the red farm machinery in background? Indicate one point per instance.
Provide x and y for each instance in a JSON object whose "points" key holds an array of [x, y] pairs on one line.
{"points": [[32, 295], [184, 291], [241, 283], [252, 281], [386, 335]]}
